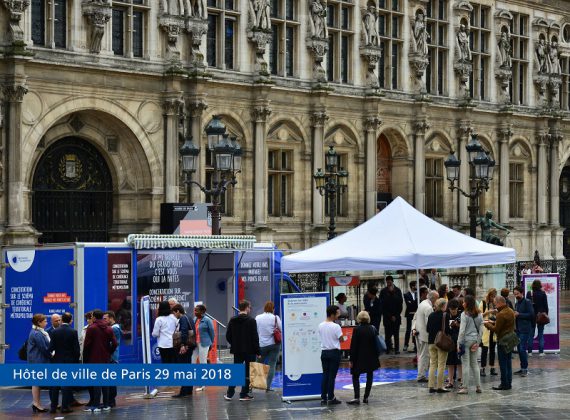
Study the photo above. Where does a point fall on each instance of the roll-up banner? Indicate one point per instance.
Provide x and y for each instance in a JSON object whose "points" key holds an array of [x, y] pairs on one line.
{"points": [[302, 371], [551, 286]]}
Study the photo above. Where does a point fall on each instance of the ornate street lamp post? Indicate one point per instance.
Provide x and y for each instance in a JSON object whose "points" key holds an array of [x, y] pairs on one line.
{"points": [[331, 183], [226, 158], [481, 173]]}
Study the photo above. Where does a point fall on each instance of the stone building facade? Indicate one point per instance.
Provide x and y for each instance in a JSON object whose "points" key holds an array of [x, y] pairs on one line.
{"points": [[96, 96]]}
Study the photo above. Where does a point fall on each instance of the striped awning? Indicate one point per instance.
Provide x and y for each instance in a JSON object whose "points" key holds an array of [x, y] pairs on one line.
{"points": [[142, 241]]}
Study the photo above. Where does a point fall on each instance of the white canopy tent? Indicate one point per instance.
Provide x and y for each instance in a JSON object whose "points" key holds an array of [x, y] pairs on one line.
{"points": [[397, 238]]}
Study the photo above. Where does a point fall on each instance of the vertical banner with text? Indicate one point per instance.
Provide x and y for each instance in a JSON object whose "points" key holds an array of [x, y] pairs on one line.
{"points": [[162, 275], [551, 286], [254, 272], [120, 289], [302, 369]]}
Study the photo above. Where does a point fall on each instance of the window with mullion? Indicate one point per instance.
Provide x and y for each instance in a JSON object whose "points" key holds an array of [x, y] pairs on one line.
{"points": [[519, 44], [118, 31], [283, 39], [339, 20], [479, 39], [128, 28], [138, 34], [38, 22], [60, 24], [389, 29], [211, 40], [516, 190], [222, 37], [436, 24], [564, 94], [280, 183], [434, 187]]}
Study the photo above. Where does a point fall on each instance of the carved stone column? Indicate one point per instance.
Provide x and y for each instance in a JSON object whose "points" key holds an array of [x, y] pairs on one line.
{"points": [[465, 130], [421, 128], [555, 139], [97, 14], [172, 26], [197, 27], [543, 139], [504, 135], [371, 125], [259, 116], [171, 110], [18, 230], [196, 108], [318, 120], [16, 9]]}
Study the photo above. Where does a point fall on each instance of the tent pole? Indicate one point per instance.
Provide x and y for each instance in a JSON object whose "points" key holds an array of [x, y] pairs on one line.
{"points": [[418, 285]]}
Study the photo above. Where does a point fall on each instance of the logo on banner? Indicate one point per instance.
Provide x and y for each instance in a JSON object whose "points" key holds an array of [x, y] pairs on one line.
{"points": [[21, 260]]}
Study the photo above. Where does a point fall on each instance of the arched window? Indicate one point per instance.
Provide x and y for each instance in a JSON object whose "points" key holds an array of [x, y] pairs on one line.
{"points": [[519, 155]]}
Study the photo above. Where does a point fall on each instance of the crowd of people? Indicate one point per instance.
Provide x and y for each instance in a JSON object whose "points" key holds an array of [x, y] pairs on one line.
{"points": [[446, 328], [98, 342]]}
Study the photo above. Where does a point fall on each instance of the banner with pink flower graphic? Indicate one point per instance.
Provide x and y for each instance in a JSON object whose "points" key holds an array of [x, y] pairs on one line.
{"points": [[550, 283]]}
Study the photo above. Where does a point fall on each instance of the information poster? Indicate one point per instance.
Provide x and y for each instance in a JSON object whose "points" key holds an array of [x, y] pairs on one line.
{"points": [[302, 372], [254, 271], [162, 275], [120, 289], [36, 281], [551, 286]]}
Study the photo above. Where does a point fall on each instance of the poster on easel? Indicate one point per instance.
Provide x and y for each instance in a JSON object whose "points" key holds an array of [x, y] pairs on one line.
{"points": [[302, 370], [551, 286]]}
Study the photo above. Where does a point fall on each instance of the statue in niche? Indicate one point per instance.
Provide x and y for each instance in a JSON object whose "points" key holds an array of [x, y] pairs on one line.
{"points": [[540, 56], [421, 35], [487, 223], [259, 14], [370, 21], [318, 10], [197, 9], [505, 51], [553, 58], [463, 47]]}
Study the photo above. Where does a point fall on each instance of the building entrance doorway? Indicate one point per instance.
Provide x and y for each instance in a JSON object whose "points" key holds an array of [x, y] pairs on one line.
{"points": [[72, 198]]}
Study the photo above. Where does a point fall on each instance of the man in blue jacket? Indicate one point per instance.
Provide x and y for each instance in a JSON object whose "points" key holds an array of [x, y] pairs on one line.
{"points": [[524, 314]]}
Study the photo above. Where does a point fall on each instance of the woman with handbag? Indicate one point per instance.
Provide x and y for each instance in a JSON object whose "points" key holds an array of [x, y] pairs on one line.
{"points": [[439, 344], [470, 334], [363, 356], [489, 312], [269, 331], [540, 306], [184, 342]]}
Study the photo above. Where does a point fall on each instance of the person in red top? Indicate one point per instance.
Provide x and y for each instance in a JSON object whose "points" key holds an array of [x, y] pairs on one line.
{"points": [[99, 345]]}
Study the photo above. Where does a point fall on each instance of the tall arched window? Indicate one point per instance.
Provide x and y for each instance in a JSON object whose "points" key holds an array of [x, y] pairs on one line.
{"points": [[383, 172]]}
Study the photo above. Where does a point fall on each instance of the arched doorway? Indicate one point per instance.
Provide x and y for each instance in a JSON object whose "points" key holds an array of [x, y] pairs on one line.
{"points": [[72, 197], [383, 173]]}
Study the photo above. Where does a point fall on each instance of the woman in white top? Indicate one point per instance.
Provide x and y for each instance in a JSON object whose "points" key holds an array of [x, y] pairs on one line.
{"points": [[267, 323], [164, 327]]}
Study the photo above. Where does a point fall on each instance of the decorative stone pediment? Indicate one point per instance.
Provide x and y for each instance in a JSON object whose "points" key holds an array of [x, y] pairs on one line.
{"points": [[340, 136], [284, 132]]}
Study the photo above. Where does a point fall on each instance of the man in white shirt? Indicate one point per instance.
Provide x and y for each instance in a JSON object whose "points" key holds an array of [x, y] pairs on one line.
{"points": [[419, 329], [330, 334]]}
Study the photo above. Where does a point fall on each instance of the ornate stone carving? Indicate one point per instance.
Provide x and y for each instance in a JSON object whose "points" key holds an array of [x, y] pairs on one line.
{"points": [[196, 9], [318, 19], [172, 106], [259, 15], [319, 48], [370, 36], [172, 26], [260, 38], [97, 14], [14, 93], [540, 57], [554, 83], [197, 107], [543, 138], [504, 76], [553, 58], [371, 55], [16, 9], [504, 49], [197, 27], [505, 133], [319, 118], [421, 127], [465, 129], [420, 35], [260, 113], [372, 123]]}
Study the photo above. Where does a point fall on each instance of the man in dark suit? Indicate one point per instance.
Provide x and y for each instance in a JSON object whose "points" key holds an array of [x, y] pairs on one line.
{"points": [[392, 302], [64, 345], [411, 300]]}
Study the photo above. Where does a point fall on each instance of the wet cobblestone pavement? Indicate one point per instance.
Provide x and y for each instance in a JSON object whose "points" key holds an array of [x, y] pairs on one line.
{"points": [[544, 394]]}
